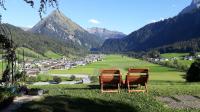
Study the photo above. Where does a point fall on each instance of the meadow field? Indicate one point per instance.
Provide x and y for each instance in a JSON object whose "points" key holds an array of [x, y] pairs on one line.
{"points": [[180, 58], [52, 55], [87, 98], [157, 72], [171, 55]]}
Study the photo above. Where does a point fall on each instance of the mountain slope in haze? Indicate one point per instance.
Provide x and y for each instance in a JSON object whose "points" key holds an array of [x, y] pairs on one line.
{"points": [[180, 28], [193, 6], [37, 43], [60, 27], [105, 34]]}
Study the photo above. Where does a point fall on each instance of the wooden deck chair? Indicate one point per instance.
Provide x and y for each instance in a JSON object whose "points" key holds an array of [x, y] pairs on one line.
{"points": [[110, 80], [136, 78]]}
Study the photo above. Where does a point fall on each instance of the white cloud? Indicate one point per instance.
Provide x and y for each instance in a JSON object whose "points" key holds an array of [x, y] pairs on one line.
{"points": [[94, 21]]}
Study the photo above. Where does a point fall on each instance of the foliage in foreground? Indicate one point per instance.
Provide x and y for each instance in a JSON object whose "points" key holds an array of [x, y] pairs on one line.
{"points": [[87, 98], [6, 97]]}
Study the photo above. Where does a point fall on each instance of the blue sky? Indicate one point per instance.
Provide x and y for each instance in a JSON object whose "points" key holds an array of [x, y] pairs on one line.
{"points": [[121, 15]]}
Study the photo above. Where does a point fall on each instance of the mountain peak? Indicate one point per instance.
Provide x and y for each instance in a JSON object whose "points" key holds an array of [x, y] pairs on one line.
{"points": [[193, 6], [56, 13], [60, 27], [105, 34], [57, 20]]}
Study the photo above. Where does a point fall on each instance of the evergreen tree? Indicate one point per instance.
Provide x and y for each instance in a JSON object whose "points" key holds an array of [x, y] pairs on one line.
{"points": [[193, 74]]}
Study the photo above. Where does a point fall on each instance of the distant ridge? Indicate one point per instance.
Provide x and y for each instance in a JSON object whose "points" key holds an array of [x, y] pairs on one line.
{"points": [[105, 34], [58, 26]]}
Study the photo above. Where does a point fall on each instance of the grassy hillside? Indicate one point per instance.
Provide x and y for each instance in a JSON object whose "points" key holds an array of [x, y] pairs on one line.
{"points": [[171, 55], [28, 54], [178, 55], [87, 98], [40, 43], [50, 54]]}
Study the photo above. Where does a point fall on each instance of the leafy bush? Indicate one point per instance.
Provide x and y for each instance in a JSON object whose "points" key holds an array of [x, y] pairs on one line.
{"points": [[94, 78], [6, 98], [193, 74], [57, 79], [183, 67], [36, 91], [32, 79], [73, 77], [39, 78], [18, 75]]}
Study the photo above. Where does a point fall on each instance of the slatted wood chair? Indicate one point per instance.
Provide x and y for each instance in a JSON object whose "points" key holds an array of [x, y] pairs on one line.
{"points": [[136, 79], [110, 78]]}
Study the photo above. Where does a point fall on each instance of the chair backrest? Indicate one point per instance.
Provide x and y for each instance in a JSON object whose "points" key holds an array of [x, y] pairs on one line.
{"points": [[110, 71], [138, 70], [110, 76], [137, 76]]}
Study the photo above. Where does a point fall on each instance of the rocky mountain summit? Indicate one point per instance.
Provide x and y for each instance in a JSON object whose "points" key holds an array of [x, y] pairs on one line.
{"points": [[59, 26], [193, 6]]}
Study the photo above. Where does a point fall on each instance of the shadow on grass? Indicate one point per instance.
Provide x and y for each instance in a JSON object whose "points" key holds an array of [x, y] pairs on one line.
{"points": [[166, 82], [74, 104], [97, 86], [88, 87]]}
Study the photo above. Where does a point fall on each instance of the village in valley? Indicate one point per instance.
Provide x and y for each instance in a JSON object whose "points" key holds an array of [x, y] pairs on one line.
{"points": [[33, 68], [161, 59]]}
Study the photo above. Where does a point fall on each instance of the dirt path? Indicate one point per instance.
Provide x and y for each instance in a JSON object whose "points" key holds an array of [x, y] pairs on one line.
{"points": [[181, 102], [18, 101]]}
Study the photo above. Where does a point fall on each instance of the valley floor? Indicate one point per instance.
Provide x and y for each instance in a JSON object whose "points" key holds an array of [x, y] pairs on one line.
{"points": [[164, 82]]}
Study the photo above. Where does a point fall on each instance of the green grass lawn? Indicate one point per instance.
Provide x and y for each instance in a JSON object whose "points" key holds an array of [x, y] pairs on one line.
{"points": [[87, 98], [157, 72], [28, 54], [52, 55], [171, 55], [179, 55], [183, 62]]}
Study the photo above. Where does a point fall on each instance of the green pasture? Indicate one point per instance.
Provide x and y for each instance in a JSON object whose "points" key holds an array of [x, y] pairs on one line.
{"points": [[171, 55], [185, 62], [28, 54], [157, 72], [178, 55], [50, 54]]}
